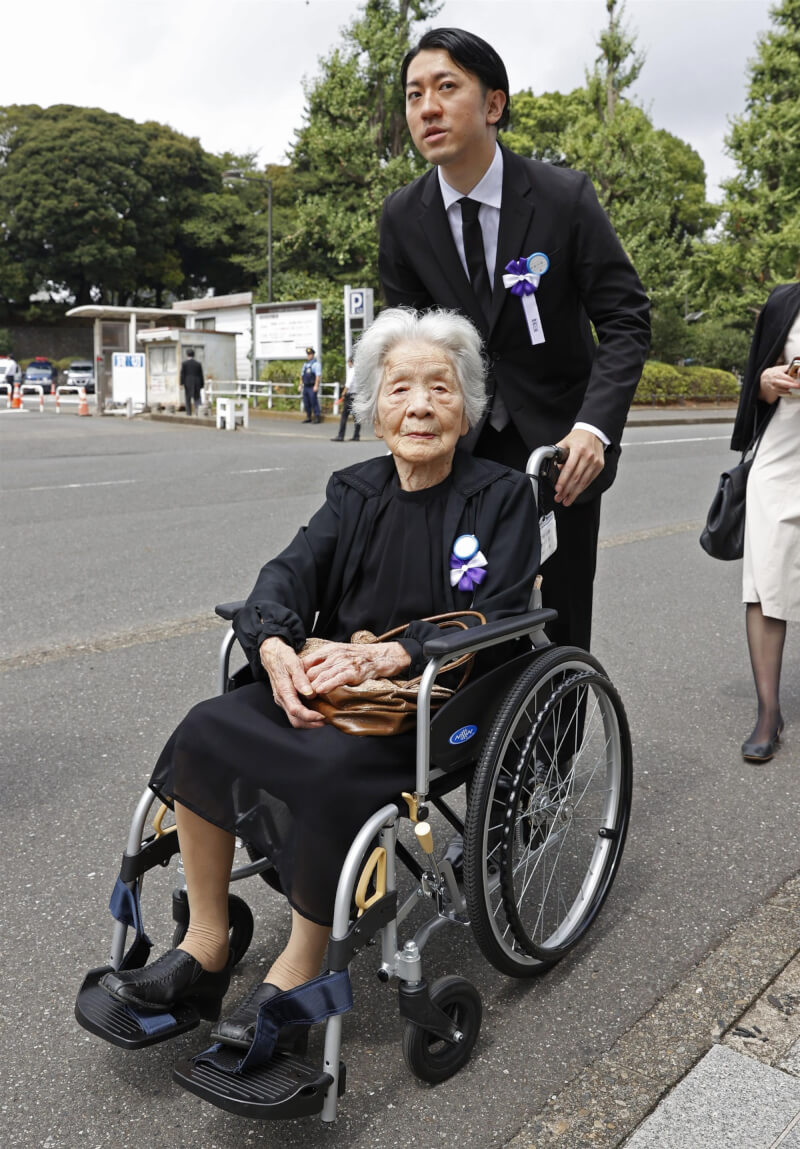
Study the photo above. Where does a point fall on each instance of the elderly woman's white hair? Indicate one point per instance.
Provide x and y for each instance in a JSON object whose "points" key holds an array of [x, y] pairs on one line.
{"points": [[454, 334]]}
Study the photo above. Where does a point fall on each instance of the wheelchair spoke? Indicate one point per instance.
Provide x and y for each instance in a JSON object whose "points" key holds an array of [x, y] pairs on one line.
{"points": [[560, 774]]}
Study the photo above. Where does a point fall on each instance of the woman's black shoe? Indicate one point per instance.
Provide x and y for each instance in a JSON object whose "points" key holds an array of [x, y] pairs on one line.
{"points": [[172, 978], [762, 751], [239, 1028]]}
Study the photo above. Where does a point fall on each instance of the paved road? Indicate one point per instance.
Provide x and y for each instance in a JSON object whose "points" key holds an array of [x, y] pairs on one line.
{"points": [[116, 539]]}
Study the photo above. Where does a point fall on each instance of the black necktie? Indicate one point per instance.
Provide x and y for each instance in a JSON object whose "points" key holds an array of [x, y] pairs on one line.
{"points": [[476, 257]]}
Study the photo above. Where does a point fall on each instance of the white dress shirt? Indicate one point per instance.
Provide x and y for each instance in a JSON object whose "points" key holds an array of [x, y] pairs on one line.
{"points": [[488, 191]]}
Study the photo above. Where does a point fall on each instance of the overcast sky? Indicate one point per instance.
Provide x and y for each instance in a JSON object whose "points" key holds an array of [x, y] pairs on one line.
{"points": [[230, 71]]}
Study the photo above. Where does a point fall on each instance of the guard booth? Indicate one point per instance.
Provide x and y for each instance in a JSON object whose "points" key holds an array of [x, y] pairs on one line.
{"points": [[165, 349]]}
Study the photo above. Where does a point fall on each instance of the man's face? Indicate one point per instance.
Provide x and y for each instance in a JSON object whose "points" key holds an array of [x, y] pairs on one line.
{"points": [[449, 114]]}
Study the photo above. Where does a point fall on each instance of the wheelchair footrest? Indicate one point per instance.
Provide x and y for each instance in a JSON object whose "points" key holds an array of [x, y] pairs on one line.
{"points": [[286, 1086], [116, 1023]]}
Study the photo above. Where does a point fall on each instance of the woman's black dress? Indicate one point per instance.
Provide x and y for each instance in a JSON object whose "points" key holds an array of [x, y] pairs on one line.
{"points": [[301, 796]]}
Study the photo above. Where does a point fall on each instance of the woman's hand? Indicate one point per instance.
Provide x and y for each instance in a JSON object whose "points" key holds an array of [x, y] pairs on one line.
{"points": [[776, 382], [289, 683], [349, 663]]}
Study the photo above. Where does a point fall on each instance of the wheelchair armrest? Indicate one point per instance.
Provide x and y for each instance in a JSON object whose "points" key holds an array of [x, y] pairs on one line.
{"points": [[227, 610], [491, 633]]}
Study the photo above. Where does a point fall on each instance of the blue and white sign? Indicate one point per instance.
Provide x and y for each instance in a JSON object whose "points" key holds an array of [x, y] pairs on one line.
{"points": [[357, 304], [128, 377]]}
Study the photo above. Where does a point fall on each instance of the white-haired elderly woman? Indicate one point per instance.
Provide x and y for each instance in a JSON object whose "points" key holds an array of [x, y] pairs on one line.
{"points": [[259, 762]]}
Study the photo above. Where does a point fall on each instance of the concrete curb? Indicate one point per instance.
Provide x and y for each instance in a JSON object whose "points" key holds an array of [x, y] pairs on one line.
{"points": [[603, 1105], [637, 418]]}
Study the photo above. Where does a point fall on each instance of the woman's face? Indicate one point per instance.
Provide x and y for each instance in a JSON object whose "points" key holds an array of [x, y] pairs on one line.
{"points": [[420, 410]]}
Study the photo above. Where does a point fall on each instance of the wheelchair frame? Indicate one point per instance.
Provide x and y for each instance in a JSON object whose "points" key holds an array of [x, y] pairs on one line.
{"points": [[379, 913]]}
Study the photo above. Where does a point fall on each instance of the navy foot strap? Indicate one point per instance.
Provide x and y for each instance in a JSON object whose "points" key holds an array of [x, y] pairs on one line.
{"points": [[312, 1002]]}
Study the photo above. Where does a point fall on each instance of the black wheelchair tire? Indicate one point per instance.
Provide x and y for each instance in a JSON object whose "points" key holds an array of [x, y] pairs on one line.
{"points": [[432, 1058], [506, 778], [241, 925]]}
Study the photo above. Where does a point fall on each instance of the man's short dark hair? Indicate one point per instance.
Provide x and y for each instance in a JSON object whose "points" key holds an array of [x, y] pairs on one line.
{"points": [[472, 54], [190, 352]]}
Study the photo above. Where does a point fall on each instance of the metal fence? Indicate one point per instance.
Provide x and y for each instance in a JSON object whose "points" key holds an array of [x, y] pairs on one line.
{"points": [[252, 390]]}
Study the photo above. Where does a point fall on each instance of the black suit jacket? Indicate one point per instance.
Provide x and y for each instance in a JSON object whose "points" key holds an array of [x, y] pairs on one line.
{"points": [[773, 325], [192, 374], [549, 387]]}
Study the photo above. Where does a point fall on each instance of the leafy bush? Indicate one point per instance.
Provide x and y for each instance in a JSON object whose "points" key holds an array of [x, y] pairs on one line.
{"points": [[709, 384], [5, 341], [662, 383]]}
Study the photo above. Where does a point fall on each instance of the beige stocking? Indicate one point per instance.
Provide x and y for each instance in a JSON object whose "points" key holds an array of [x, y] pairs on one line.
{"points": [[207, 854]]}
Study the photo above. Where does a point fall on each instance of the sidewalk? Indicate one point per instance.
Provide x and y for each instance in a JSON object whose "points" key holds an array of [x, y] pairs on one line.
{"points": [[637, 417], [714, 1065]]}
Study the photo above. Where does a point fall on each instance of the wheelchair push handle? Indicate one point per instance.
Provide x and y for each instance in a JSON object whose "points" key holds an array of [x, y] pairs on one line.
{"points": [[542, 462]]}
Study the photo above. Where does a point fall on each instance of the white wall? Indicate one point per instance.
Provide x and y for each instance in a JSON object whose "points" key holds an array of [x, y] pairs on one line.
{"points": [[236, 319]]}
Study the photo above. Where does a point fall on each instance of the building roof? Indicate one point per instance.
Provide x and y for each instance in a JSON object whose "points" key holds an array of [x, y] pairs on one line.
{"points": [[216, 302], [101, 311]]}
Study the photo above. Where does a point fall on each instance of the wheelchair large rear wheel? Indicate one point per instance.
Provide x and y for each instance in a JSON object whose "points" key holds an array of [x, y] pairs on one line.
{"points": [[548, 813]]}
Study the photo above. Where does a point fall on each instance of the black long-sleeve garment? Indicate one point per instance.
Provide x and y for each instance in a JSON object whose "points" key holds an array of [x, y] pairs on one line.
{"points": [[299, 592]]}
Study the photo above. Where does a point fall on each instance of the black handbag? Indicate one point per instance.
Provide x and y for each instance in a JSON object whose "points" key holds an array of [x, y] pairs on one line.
{"points": [[723, 534]]}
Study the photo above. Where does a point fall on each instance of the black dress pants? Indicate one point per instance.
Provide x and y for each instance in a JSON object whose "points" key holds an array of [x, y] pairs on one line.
{"points": [[568, 575]]}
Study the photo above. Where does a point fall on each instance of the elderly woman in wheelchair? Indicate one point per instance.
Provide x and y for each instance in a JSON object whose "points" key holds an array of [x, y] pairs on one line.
{"points": [[541, 740]]}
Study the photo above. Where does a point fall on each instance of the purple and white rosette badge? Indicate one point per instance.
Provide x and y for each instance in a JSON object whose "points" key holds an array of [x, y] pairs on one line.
{"points": [[467, 563], [522, 279]]}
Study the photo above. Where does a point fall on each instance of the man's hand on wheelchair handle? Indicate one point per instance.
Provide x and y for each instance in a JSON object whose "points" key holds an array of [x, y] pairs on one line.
{"points": [[289, 683], [585, 462]]}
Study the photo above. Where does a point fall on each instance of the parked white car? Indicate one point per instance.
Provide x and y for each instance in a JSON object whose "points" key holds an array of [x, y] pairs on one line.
{"points": [[80, 373]]}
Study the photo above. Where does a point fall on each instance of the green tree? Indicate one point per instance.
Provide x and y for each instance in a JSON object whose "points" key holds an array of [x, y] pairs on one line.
{"points": [[651, 183], [760, 241], [617, 67], [353, 147], [96, 206]]}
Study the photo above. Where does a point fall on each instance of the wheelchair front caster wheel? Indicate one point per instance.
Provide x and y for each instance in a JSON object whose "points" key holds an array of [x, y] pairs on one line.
{"points": [[432, 1058], [239, 917]]}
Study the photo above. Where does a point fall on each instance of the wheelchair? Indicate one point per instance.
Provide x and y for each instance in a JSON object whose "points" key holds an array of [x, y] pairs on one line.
{"points": [[541, 745]]}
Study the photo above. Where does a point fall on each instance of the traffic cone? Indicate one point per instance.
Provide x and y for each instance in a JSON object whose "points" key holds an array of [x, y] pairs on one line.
{"points": [[83, 403], [16, 398]]}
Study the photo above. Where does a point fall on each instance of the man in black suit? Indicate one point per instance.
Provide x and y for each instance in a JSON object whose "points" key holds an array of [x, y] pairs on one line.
{"points": [[192, 381], [446, 240]]}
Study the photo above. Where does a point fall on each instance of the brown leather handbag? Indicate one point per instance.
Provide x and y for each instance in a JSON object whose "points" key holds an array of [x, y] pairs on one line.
{"points": [[384, 706]]}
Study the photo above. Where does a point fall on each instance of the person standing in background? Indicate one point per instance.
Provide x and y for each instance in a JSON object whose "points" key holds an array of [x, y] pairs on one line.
{"points": [[347, 406], [192, 381], [769, 405], [310, 379]]}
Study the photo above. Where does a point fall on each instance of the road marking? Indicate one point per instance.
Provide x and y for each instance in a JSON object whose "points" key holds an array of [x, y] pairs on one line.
{"points": [[197, 624], [651, 533], [71, 486], [257, 471], [156, 632], [658, 442]]}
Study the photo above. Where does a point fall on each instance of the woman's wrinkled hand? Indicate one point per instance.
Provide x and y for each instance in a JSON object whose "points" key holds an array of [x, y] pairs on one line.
{"points": [[349, 663], [289, 683], [775, 383]]}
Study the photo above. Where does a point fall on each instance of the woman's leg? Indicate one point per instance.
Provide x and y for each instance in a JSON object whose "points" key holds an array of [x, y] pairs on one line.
{"points": [[765, 638], [207, 855], [301, 959]]}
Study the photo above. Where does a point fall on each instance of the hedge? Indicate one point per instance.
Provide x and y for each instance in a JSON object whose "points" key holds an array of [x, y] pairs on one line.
{"points": [[662, 383]]}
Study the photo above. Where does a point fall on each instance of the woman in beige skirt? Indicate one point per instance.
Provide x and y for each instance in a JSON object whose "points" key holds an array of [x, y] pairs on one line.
{"points": [[770, 403]]}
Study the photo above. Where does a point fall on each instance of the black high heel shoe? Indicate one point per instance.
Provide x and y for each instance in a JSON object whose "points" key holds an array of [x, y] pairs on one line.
{"points": [[239, 1028], [172, 978], [762, 751]]}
